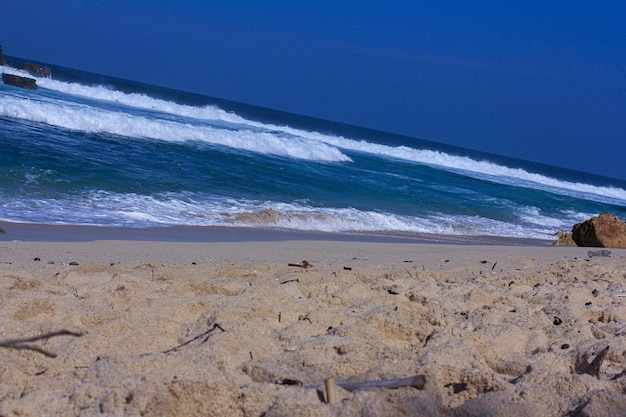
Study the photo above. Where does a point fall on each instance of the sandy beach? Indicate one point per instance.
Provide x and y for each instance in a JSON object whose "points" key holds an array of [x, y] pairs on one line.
{"points": [[230, 328]]}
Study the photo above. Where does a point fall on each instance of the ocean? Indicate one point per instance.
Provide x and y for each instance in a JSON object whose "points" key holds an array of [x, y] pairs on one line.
{"points": [[86, 149]]}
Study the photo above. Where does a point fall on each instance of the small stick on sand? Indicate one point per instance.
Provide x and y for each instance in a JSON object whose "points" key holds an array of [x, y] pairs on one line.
{"points": [[21, 343], [602, 252], [329, 384], [208, 334], [416, 381], [303, 264]]}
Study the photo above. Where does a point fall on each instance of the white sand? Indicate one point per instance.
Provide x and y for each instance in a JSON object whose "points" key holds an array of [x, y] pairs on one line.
{"points": [[495, 330]]}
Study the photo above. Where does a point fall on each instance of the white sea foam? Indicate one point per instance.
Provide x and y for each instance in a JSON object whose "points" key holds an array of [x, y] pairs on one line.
{"points": [[91, 119], [563, 220], [132, 210], [300, 144], [142, 101], [478, 169]]}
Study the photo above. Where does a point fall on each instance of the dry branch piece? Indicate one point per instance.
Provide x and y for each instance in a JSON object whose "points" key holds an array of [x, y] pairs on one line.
{"points": [[303, 264], [208, 334], [21, 343], [620, 331], [602, 252], [416, 381]]}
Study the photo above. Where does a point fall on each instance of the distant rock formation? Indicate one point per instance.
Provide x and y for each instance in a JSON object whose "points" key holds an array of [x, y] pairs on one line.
{"points": [[17, 81], [604, 231], [37, 70], [1, 57]]}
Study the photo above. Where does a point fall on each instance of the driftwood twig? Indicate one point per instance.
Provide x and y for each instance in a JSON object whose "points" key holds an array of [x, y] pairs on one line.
{"points": [[303, 264], [208, 334], [416, 381], [22, 344], [330, 384], [602, 252]]}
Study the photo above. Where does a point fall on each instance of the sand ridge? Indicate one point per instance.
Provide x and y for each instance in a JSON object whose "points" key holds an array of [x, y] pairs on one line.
{"points": [[232, 329]]}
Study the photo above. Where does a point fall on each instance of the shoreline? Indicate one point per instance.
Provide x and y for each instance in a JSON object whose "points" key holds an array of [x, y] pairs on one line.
{"points": [[33, 232]]}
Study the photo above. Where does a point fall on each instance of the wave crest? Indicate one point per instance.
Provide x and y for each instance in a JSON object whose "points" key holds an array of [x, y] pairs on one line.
{"points": [[85, 118], [279, 140]]}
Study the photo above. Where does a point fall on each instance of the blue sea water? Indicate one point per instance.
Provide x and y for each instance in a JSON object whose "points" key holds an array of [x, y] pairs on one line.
{"points": [[87, 149]]}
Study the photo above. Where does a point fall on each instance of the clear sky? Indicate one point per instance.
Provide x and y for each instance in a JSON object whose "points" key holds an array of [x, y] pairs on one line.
{"points": [[542, 81]]}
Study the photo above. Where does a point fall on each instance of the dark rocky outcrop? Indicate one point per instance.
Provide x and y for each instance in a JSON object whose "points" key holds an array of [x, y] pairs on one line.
{"points": [[1, 57], [37, 70], [17, 81], [604, 231]]}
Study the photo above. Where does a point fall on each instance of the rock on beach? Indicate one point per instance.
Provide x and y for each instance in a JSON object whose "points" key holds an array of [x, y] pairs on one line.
{"points": [[604, 231]]}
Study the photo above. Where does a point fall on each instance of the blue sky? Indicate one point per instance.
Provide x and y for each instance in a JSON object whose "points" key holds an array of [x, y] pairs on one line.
{"points": [[543, 81]]}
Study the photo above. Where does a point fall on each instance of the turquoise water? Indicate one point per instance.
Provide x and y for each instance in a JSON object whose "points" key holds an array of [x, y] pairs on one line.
{"points": [[92, 150]]}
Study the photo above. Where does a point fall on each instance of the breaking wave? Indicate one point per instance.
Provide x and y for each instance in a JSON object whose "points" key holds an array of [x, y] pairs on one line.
{"points": [[480, 169], [132, 210], [85, 118]]}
